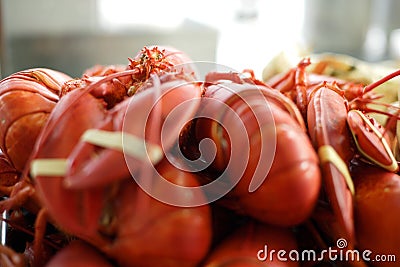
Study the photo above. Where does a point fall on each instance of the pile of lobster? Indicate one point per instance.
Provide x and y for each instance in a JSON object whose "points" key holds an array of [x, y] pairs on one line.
{"points": [[150, 165]]}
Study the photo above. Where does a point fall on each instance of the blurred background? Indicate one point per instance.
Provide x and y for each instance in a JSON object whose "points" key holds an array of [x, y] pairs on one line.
{"points": [[73, 35]]}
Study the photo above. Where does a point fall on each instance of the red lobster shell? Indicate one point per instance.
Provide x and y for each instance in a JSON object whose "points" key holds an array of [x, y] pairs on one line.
{"points": [[26, 100], [289, 189], [111, 211], [376, 213], [254, 244]]}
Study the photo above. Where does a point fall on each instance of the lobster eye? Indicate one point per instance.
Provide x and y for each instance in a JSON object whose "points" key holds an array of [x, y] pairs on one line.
{"points": [[143, 57]]}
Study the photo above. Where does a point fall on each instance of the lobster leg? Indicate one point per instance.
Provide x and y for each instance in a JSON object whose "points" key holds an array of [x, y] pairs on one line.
{"points": [[294, 85], [301, 86], [40, 230], [20, 193]]}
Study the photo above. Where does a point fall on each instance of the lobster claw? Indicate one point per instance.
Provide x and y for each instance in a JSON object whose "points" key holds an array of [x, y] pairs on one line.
{"points": [[370, 141], [141, 128]]}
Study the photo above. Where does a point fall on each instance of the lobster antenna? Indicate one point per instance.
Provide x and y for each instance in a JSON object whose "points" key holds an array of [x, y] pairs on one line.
{"points": [[381, 81], [391, 122]]}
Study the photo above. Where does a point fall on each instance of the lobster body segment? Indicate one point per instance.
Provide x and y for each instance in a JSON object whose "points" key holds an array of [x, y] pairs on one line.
{"points": [[26, 100]]}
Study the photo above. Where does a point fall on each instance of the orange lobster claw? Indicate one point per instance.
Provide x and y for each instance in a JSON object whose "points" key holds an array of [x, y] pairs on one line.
{"points": [[370, 141], [330, 135], [82, 212]]}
